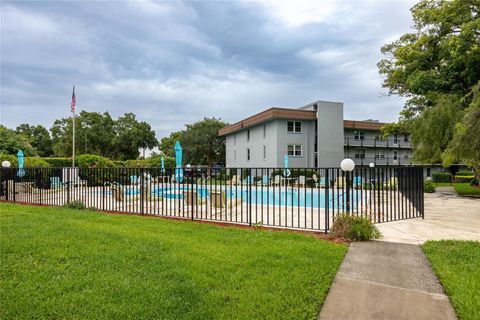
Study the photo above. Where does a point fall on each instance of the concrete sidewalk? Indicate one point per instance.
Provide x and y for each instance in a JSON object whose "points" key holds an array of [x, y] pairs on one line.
{"points": [[384, 280], [447, 216]]}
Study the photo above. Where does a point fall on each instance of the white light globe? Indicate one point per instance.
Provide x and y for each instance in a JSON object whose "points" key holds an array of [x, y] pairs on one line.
{"points": [[371, 165], [188, 166], [347, 164], [6, 164]]}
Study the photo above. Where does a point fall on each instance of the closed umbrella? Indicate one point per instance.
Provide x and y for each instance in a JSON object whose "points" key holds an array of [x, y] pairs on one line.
{"points": [[21, 171], [178, 159], [286, 172], [162, 162]]}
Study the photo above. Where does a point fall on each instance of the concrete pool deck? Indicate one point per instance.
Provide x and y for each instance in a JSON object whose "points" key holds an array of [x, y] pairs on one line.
{"points": [[447, 216]]}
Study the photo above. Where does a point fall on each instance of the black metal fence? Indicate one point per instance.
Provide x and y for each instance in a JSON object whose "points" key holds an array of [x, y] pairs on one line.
{"points": [[305, 198]]}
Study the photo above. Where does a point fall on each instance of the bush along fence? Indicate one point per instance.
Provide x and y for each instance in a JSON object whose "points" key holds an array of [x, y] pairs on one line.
{"points": [[305, 198]]}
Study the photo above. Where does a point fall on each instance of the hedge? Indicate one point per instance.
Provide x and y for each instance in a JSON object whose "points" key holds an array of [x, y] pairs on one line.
{"points": [[463, 179], [441, 177], [465, 173]]}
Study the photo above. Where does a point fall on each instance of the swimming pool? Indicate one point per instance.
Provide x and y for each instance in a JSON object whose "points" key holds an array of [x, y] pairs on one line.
{"points": [[311, 198]]}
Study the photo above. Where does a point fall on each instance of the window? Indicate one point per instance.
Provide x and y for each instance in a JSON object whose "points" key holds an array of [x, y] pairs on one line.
{"points": [[248, 154], [429, 172], [294, 150], [395, 138], [359, 153], [264, 131], [294, 126], [395, 155], [406, 156], [248, 135], [358, 135], [379, 154], [234, 155], [235, 139], [377, 136], [264, 153], [405, 138]]}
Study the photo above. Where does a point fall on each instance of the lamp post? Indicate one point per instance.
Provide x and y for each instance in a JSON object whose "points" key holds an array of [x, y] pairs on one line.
{"points": [[347, 166]]}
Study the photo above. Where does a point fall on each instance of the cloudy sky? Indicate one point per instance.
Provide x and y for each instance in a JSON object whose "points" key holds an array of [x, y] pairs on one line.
{"points": [[173, 63]]}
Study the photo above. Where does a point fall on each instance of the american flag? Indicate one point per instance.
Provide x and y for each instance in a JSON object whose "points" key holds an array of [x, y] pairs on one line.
{"points": [[74, 101]]}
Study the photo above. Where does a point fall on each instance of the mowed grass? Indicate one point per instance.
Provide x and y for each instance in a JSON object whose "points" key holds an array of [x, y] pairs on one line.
{"points": [[465, 189], [80, 264], [457, 264]]}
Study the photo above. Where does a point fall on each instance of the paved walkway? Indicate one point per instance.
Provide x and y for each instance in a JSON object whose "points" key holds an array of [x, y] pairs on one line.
{"points": [[447, 216], [383, 280]]}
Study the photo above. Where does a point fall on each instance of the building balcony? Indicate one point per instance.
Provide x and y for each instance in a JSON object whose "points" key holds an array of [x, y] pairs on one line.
{"points": [[386, 161], [376, 143]]}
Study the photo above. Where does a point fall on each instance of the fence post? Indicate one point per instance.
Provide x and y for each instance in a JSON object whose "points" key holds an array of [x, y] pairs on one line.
{"points": [[249, 186]]}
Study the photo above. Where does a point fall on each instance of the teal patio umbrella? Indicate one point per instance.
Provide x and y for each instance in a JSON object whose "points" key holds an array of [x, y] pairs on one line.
{"points": [[162, 162], [178, 159], [286, 172], [21, 171]]}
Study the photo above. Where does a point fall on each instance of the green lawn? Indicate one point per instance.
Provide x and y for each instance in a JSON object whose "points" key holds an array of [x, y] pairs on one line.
{"points": [[457, 265], [465, 189], [64, 263]]}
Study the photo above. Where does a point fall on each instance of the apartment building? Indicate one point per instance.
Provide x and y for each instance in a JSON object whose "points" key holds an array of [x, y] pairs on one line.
{"points": [[314, 135]]}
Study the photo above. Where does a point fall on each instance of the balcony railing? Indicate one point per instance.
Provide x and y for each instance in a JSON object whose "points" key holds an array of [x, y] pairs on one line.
{"points": [[386, 161], [352, 142]]}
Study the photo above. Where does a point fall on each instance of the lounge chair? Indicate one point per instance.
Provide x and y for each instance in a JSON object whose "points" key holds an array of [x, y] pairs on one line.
{"points": [[391, 183], [340, 183], [134, 180], [191, 198], [56, 183], [233, 181], [248, 180], [265, 181], [277, 180], [357, 182], [219, 200], [300, 181]]}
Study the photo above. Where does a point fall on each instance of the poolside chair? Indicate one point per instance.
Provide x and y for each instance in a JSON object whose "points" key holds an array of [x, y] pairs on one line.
{"points": [[265, 181], [357, 182], [191, 198], [322, 183], [233, 181], [392, 183], [340, 183], [134, 180], [277, 180], [300, 181], [56, 183], [219, 200], [248, 180], [117, 192]]}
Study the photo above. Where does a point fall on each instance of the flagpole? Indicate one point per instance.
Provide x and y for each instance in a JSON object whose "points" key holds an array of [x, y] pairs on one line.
{"points": [[73, 139]]}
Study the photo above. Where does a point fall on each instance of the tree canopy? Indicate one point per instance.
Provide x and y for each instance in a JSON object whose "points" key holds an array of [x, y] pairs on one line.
{"points": [[436, 68], [200, 142], [38, 137]]}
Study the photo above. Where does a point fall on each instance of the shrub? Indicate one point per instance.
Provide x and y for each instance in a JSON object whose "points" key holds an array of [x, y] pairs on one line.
{"points": [[441, 177], [9, 157], [428, 187], [465, 173], [32, 162], [92, 161], [474, 182], [79, 205], [355, 228], [58, 162], [463, 179]]}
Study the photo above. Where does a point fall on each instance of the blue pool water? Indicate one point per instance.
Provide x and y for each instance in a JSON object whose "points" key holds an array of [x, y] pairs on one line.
{"points": [[311, 198]]}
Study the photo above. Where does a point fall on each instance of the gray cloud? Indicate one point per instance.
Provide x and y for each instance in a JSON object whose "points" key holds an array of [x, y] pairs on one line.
{"points": [[175, 62]]}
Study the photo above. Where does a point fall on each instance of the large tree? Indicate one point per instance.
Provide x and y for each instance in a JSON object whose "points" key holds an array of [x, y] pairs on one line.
{"points": [[436, 69], [38, 137], [200, 142], [11, 142], [99, 134]]}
